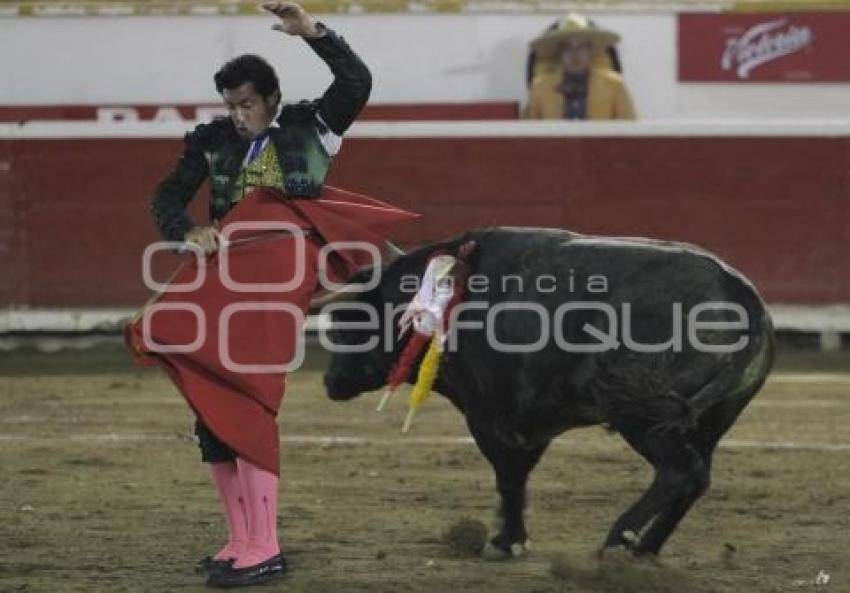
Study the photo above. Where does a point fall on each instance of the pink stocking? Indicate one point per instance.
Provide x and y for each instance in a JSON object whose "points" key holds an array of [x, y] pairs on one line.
{"points": [[260, 488], [229, 489]]}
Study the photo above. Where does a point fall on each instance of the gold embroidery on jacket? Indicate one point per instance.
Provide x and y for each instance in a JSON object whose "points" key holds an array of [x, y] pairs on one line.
{"points": [[263, 171]]}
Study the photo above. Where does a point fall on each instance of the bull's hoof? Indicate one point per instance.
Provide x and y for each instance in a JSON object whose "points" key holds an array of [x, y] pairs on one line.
{"points": [[494, 553], [614, 554], [628, 541], [497, 554], [624, 552]]}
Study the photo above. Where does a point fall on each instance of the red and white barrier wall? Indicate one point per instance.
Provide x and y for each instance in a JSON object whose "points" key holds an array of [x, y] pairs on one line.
{"points": [[773, 200]]}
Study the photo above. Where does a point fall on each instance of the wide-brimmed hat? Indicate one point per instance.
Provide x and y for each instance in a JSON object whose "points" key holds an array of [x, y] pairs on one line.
{"points": [[572, 26]]}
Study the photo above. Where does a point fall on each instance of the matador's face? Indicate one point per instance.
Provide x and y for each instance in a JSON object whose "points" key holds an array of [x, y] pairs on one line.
{"points": [[251, 113]]}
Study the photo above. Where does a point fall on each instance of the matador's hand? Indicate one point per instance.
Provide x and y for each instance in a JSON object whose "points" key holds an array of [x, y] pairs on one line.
{"points": [[205, 237], [294, 20]]}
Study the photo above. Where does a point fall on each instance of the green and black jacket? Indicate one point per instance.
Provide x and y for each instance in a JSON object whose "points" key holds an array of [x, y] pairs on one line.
{"points": [[216, 151]]}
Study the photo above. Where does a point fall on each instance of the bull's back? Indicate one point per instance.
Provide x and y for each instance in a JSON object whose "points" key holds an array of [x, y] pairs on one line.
{"points": [[652, 286], [637, 270]]}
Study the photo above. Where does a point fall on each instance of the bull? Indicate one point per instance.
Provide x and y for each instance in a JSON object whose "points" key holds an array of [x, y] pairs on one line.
{"points": [[661, 342]]}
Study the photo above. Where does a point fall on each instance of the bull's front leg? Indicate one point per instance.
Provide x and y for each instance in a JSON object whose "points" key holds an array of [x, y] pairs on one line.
{"points": [[512, 465]]}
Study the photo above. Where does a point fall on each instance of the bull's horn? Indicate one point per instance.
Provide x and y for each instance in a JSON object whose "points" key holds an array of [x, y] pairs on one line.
{"points": [[329, 297], [393, 251]]}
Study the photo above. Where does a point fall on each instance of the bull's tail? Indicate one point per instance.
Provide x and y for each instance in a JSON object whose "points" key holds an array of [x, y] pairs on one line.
{"points": [[742, 377]]}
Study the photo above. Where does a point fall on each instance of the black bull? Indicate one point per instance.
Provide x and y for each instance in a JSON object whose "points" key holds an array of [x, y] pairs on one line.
{"points": [[671, 405]]}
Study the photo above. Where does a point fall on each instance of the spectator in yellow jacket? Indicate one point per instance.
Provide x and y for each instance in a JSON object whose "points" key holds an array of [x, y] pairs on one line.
{"points": [[573, 74]]}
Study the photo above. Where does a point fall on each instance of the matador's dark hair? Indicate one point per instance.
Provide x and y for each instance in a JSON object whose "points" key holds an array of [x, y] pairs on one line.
{"points": [[247, 68]]}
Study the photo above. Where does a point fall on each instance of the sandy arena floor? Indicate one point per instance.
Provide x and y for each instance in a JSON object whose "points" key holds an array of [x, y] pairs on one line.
{"points": [[101, 490]]}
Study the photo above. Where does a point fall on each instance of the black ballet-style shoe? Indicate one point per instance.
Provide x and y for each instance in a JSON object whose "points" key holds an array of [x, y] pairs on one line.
{"points": [[209, 565], [250, 575]]}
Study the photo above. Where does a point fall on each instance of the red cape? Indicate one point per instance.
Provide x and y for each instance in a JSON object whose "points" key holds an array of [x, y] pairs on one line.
{"points": [[240, 407]]}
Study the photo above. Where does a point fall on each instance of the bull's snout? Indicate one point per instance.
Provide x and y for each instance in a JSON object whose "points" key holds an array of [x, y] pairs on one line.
{"points": [[338, 389]]}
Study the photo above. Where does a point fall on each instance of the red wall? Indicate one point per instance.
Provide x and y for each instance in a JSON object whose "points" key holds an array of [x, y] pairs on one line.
{"points": [[485, 110], [74, 214]]}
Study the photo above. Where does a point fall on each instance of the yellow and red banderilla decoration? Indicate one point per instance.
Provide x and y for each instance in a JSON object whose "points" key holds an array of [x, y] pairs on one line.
{"points": [[427, 317]]}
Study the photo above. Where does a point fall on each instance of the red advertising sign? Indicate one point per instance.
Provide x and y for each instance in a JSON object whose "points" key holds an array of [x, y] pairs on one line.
{"points": [[764, 47]]}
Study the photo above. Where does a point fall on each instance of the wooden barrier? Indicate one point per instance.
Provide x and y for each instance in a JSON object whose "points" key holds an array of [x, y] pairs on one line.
{"points": [[74, 201]]}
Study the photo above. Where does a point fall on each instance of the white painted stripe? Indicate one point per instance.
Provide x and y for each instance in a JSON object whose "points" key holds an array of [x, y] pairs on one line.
{"points": [[178, 401], [811, 377], [114, 437], [593, 129], [63, 320], [88, 320], [832, 318], [787, 445], [63, 130], [799, 403], [829, 318]]}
